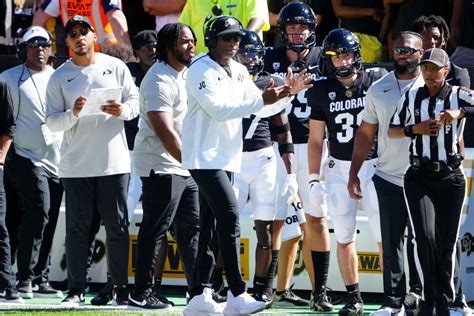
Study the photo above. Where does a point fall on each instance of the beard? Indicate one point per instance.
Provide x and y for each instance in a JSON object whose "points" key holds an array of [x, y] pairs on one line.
{"points": [[179, 56], [410, 67]]}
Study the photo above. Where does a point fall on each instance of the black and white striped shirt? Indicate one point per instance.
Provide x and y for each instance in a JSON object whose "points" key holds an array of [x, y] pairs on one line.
{"points": [[417, 106]]}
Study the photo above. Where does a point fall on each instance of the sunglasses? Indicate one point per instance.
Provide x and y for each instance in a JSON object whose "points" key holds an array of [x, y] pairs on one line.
{"points": [[40, 43], [231, 37], [429, 67], [76, 33], [405, 50]]}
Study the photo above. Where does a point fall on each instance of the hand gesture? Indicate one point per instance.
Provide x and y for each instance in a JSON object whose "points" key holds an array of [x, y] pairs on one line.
{"points": [[428, 127], [272, 94], [300, 81]]}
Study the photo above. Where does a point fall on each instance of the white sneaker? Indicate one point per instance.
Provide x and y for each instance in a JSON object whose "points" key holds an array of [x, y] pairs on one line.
{"points": [[204, 304], [242, 304], [389, 311]]}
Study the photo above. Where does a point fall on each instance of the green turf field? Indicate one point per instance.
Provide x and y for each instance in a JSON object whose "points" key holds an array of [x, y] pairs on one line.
{"points": [[44, 306]]}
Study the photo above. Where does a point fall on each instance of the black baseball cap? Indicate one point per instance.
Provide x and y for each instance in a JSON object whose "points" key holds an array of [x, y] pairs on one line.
{"points": [[143, 38], [436, 56], [78, 19], [228, 25]]}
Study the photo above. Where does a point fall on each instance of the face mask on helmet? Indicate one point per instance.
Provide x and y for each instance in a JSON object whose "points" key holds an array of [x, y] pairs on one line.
{"points": [[297, 13], [338, 42], [252, 59], [251, 52]]}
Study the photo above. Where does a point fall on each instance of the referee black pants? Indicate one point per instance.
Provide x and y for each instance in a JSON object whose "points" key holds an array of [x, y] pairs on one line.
{"points": [[393, 222], [435, 201], [167, 199], [83, 196], [217, 203]]}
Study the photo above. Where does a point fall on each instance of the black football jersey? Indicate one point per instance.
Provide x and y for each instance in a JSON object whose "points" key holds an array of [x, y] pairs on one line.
{"points": [[276, 63], [256, 130], [341, 109]]}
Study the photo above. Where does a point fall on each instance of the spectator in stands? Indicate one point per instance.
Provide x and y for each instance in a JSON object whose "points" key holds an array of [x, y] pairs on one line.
{"points": [[462, 29], [165, 11], [14, 16], [9, 293], [91, 177], [34, 166], [138, 17], [252, 13], [364, 19], [325, 19], [108, 20]]}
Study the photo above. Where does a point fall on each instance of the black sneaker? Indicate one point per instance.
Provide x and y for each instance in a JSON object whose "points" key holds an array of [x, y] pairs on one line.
{"points": [[104, 296], [352, 308], [74, 298], [25, 289], [412, 302], [218, 298], [101, 299], [289, 297], [265, 297], [45, 290], [321, 302], [146, 300], [11, 295], [156, 291], [120, 296]]}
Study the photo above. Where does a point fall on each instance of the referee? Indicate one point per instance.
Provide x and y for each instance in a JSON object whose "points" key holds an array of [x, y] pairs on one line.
{"points": [[435, 185]]}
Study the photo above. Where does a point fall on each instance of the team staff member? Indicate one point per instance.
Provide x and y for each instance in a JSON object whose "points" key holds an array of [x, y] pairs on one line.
{"points": [[435, 185], [297, 25], [388, 178], [95, 161], [336, 103], [220, 93], [257, 181], [34, 165], [7, 131], [170, 195]]}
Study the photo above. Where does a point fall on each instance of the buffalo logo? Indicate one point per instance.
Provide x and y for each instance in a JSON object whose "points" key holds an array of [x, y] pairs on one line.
{"points": [[331, 164], [106, 72], [229, 23], [276, 66], [332, 95], [240, 77]]}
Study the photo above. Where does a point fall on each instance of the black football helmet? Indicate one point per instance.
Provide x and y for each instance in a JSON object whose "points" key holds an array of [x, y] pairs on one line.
{"points": [[251, 52], [297, 13], [337, 42]]}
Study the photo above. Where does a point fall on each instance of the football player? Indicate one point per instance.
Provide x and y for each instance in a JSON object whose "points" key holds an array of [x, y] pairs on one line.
{"points": [[297, 25], [257, 179], [336, 102]]}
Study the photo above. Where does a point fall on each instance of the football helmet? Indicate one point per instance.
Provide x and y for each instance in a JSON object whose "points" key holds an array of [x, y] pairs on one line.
{"points": [[251, 52], [297, 13], [337, 42]]}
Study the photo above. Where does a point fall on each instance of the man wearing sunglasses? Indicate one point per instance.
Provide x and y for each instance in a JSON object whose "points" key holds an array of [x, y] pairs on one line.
{"points": [[381, 102], [95, 161], [34, 166], [220, 92]]}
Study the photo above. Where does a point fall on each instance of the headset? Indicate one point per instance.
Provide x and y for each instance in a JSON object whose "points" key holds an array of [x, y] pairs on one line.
{"points": [[20, 47], [210, 38]]}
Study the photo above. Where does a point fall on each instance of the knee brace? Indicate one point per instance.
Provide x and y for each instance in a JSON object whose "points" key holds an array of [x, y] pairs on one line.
{"points": [[264, 234]]}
